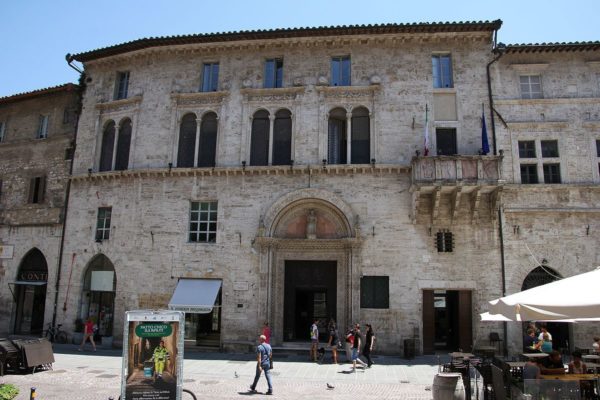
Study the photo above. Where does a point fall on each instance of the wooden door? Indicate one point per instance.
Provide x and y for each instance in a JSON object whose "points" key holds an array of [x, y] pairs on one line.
{"points": [[465, 322], [428, 322]]}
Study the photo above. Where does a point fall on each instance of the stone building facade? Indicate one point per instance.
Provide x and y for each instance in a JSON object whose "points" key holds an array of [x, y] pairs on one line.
{"points": [[548, 102], [281, 176], [37, 133]]}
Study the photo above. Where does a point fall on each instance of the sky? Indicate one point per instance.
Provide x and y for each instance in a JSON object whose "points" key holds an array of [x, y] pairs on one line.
{"points": [[35, 35]]}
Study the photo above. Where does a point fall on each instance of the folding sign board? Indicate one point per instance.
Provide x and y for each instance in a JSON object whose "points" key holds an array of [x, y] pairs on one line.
{"points": [[153, 355]]}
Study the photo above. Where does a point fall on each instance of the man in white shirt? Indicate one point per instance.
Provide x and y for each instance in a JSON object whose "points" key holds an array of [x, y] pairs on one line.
{"points": [[314, 340], [544, 330]]}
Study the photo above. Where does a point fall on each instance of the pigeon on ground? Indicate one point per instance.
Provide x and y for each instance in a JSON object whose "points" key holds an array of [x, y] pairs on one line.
{"points": [[330, 386], [235, 374]]}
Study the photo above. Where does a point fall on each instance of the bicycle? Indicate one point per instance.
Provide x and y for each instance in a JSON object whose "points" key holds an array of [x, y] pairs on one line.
{"points": [[55, 334]]}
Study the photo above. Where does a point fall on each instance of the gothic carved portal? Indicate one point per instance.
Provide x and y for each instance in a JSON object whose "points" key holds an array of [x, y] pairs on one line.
{"points": [[308, 269]]}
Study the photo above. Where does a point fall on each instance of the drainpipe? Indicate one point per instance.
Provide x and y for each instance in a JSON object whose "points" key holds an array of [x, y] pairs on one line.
{"points": [[503, 272], [81, 89], [499, 51]]}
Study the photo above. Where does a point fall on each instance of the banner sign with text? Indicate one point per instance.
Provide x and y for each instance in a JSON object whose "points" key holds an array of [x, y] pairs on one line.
{"points": [[153, 355]]}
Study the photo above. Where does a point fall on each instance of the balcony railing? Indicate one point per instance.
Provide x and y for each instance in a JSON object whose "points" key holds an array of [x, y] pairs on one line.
{"points": [[454, 169]]}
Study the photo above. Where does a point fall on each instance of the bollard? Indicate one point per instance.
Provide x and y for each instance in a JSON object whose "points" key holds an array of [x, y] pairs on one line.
{"points": [[32, 394]]}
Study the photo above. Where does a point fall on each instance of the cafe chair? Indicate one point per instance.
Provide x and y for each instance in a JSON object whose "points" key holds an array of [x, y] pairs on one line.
{"points": [[495, 339]]}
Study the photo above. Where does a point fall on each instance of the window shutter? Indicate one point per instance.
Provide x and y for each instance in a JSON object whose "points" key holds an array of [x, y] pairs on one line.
{"points": [[31, 190], [0, 189]]}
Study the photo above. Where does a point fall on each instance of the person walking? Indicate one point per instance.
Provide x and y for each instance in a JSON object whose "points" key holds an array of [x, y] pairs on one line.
{"points": [[88, 333], [314, 340], [348, 342], [356, 348], [369, 343], [264, 354], [333, 341], [267, 333], [160, 359]]}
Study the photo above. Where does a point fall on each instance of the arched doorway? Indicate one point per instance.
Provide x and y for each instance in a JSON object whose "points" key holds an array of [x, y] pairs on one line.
{"points": [[559, 330], [308, 246], [98, 295], [30, 293]]}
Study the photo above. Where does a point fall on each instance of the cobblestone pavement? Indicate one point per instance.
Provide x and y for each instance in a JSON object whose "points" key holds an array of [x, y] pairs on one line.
{"points": [[96, 376]]}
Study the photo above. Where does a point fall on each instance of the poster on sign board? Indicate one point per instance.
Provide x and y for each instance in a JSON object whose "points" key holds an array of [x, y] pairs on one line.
{"points": [[152, 355]]}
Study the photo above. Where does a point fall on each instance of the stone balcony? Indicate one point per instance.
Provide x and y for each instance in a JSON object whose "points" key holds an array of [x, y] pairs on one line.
{"points": [[449, 185]]}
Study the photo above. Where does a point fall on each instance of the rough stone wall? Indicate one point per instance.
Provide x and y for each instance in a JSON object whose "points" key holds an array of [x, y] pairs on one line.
{"points": [[398, 107], [558, 223], [23, 225], [147, 264]]}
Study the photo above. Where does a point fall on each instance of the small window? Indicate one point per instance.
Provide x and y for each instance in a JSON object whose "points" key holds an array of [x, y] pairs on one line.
{"points": [[122, 85], [446, 141], [444, 241], [274, 73], [203, 222], [42, 132], [340, 71], [374, 292], [69, 153], [37, 189], [442, 71], [2, 130], [551, 173], [529, 173], [598, 148], [527, 149], [103, 224], [549, 148], [531, 86], [210, 77], [69, 116]]}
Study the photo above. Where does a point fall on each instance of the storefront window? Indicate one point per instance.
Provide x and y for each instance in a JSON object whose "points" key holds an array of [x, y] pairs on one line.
{"points": [[98, 297]]}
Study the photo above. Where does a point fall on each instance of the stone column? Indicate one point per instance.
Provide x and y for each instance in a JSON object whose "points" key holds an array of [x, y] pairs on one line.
{"points": [[271, 126], [348, 138], [116, 140], [197, 143]]}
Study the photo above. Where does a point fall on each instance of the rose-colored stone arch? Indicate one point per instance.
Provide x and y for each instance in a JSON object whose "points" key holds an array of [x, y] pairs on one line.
{"points": [[287, 217]]}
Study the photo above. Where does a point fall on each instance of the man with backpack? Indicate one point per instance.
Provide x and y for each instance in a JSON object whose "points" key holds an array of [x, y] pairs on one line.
{"points": [[264, 355]]}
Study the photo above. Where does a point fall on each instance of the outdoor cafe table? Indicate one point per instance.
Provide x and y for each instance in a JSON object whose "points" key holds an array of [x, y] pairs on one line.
{"points": [[570, 377], [591, 365], [457, 354], [535, 355], [590, 357]]}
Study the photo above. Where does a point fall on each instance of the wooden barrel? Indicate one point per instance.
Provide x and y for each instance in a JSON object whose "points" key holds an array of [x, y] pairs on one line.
{"points": [[448, 386]]}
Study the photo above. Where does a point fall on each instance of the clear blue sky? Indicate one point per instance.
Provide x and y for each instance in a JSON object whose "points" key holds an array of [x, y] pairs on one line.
{"points": [[35, 35]]}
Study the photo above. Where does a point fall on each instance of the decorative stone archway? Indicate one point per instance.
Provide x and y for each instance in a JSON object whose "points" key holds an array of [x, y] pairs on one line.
{"points": [[308, 225]]}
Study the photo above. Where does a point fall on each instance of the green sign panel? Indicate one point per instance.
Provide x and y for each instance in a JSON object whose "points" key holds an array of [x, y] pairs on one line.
{"points": [[153, 329]]}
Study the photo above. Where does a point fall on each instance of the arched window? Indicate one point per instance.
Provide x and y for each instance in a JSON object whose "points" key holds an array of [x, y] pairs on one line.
{"points": [[123, 144], [108, 145], [187, 141], [336, 142], [282, 138], [208, 140], [259, 146], [360, 147]]}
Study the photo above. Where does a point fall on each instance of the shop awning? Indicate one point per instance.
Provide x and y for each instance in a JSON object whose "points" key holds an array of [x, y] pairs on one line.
{"points": [[33, 283], [195, 295]]}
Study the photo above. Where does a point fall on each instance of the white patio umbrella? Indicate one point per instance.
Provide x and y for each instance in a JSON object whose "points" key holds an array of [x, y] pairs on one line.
{"points": [[573, 299]]}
